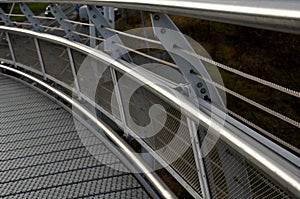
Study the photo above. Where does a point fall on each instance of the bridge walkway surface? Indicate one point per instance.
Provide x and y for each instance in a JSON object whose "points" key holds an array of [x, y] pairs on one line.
{"points": [[46, 153]]}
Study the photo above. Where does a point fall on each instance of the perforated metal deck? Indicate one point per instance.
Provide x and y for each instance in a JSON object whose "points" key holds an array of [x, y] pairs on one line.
{"points": [[43, 154]]}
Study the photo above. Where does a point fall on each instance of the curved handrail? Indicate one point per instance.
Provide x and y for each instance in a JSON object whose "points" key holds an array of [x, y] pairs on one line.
{"points": [[285, 172], [277, 15], [156, 182]]}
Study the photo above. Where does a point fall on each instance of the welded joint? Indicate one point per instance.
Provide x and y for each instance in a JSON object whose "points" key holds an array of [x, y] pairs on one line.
{"points": [[183, 88]]}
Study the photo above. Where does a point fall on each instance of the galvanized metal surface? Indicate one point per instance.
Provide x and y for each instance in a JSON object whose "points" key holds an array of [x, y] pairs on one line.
{"points": [[277, 15], [42, 154], [211, 161]]}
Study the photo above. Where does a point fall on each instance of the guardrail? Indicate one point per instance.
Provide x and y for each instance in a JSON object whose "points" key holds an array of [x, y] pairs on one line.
{"points": [[280, 15], [260, 163], [134, 163], [235, 162]]}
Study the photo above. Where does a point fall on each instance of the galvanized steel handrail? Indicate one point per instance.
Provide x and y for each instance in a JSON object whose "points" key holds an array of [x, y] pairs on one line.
{"points": [[140, 164], [271, 159], [276, 166], [277, 15]]}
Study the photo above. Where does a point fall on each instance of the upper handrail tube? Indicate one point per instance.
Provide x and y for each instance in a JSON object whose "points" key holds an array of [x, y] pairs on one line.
{"points": [[277, 15], [160, 186], [285, 172]]}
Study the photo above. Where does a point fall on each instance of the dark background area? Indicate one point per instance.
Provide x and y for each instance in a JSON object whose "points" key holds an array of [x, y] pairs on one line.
{"points": [[269, 55]]}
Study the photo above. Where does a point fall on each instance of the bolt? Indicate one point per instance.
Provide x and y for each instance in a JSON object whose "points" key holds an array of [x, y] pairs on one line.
{"points": [[206, 98], [199, 85], [156, 17], [163, 31], [90, 8], [94, 16], [203, 90]]}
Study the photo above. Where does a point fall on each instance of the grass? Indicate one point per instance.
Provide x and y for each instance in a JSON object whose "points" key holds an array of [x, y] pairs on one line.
{"points": [[36, 8]]}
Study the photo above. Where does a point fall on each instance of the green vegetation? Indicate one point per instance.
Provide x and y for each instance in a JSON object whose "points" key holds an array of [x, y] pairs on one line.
{"points": [[36, 8]]}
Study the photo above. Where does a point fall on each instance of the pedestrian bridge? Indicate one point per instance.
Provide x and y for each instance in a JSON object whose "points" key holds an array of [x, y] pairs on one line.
{"points": [[90, 111], [46, 153]]}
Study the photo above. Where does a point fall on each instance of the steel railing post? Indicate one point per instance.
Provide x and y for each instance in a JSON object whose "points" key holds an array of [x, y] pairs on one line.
{"points": [[38, 50], [72, 64]]}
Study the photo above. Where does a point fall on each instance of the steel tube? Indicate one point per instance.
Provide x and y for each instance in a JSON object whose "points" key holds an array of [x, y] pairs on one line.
{"points": [[278, 15], [285, 172]]}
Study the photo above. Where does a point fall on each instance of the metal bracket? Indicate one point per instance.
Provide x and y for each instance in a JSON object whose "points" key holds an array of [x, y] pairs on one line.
{"points": [[110, 37], [172, 38], [109, 15], [67, 26], [5, 19], [36, 24], [169, 35], [92, 30]]}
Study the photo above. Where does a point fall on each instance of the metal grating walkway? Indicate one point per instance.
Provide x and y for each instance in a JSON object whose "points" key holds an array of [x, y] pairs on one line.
{"points": [[44, 154]]}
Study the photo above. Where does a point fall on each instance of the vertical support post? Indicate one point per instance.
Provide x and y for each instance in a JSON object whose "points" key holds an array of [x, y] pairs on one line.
{"points": [[11, 9], [106, 12], [118, 98], [145, 31], [72, 64], [111, 17], [36, 24], [61, 19], [169, 35], [173, 40], [38, 49], [93, 34], [198, 159], [12, 53], [92, 30]]}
